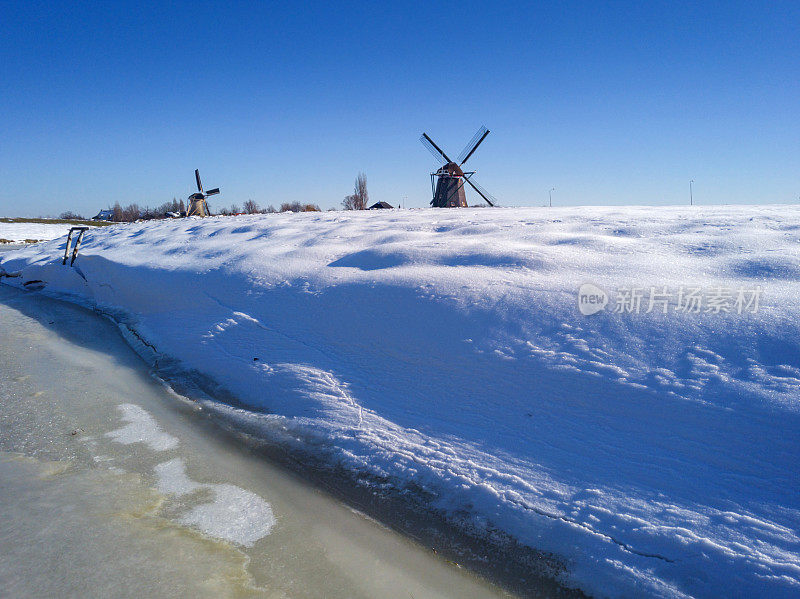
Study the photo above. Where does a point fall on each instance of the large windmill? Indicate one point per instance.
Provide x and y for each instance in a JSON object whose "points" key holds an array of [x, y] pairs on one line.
{"points": [[197, 201], [447, 183]]}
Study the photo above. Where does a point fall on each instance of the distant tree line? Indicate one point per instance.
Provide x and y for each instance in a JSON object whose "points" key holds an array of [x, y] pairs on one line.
{"points": [[358, 200], [70, 215], [133, 212], [251, 207]]}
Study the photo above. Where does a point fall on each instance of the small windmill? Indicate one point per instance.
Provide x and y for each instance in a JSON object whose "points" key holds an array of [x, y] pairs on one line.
{"points": [[197, 201], [449, 179]]}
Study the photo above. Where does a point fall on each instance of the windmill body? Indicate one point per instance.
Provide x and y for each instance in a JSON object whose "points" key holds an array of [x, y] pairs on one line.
{"points": [[197, 205], [448, 181], [197, 201], [449, 187]]}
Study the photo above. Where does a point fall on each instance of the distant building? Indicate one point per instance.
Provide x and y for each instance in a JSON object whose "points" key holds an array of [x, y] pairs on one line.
{"points": [[104, 215], [379, 205]]}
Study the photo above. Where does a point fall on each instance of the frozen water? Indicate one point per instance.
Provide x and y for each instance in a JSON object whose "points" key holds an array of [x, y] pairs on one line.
{"points": [[83, 515], [234, 514], [172, 478], [141, 428]]}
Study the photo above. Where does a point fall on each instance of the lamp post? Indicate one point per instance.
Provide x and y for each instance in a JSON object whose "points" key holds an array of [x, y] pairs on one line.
{"points": [[691, 197], [550, 193]]}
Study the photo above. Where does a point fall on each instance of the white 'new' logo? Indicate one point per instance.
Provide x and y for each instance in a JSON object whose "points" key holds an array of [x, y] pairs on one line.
{"points": [[591, 299]]}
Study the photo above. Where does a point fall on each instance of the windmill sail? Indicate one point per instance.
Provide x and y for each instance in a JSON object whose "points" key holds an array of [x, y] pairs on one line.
{"points": [[490, 199], [473, 144], [434, 149]]}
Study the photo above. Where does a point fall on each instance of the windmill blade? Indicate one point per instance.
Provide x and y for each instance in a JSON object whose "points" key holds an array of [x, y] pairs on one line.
{"points": [[490, 199], [212, 192], [473, 144], [197, 176], [434, 149]]}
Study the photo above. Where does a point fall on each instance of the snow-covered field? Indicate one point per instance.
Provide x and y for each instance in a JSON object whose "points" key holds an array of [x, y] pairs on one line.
{"points": [[19, 232], [443, 352]]}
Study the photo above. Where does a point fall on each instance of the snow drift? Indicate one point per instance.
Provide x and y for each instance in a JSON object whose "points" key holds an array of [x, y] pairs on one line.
{"points": [[442, 351]]}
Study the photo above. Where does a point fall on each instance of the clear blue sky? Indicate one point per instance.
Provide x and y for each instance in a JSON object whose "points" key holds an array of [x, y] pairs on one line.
{"points": [[608, 102]]}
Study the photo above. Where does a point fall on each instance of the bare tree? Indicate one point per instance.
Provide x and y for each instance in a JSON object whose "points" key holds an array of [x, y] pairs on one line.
{"points": [[361, 191], [298, 207], [349, 202], [359, 199], [251, 207], [130, 213]]}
